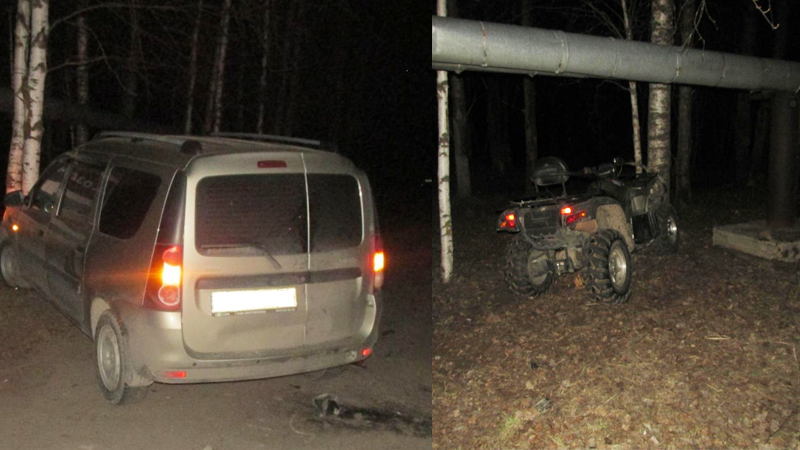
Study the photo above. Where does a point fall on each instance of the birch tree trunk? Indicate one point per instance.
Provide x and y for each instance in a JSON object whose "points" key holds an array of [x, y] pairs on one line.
{"points": [[34, 128], [262, 82], [131, 79], [658, 120], [460, 129], [18, 84], [187, 127], [220, 80], [82, 78], [632, 87], [529, 98], [683, 182], [445, 223]]}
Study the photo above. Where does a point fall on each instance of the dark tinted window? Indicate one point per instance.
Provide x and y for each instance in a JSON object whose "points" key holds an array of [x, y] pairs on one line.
{"points": [[45, 193], [335, 212], [263, 211], [82, 187], [129, 194]]}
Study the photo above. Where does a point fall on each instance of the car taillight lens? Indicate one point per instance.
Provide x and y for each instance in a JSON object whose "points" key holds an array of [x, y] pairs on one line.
{"points": [[164, 283], [378, 263], [566, 210]]}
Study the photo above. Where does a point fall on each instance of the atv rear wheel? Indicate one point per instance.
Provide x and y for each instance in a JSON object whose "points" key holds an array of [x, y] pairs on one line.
{"points": [[527, 270], [669, 236], [609, 273]]}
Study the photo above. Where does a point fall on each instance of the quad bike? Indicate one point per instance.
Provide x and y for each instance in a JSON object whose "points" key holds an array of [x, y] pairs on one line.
{"points": [[594, 230]]}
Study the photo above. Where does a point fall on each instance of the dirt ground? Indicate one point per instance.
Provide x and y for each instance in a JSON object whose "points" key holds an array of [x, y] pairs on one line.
{"points": [[49, 398], [705, 355]]}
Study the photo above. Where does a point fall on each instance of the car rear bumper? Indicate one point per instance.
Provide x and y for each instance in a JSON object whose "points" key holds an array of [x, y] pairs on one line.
{"points": [[155, 343]]}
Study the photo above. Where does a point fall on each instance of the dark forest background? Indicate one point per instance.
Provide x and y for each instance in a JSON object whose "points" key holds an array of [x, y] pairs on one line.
{"points": [[588, 121], [352, 72]]}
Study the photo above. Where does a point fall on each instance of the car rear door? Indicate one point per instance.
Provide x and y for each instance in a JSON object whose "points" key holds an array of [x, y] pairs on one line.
{"points": [[245, 255], [69, 233], [336, 291], [33, 221]]}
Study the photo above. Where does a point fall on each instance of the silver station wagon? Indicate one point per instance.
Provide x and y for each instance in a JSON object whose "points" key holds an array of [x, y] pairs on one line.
{"points": [[200, 259]]}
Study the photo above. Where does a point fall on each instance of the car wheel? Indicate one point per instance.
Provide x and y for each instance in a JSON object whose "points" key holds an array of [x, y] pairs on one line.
{"points": [[527, 272], [9, 267], [113, 363], [669, 235], [609, 273]]}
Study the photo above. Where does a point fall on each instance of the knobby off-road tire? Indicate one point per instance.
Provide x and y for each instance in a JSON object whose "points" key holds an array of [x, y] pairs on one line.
{"points": [[609, 272], [669, 234], [527, 271], [113, 363], [9, 267]]}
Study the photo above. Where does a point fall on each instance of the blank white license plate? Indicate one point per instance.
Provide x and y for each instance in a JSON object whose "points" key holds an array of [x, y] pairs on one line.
{"points": [[252, 301]]}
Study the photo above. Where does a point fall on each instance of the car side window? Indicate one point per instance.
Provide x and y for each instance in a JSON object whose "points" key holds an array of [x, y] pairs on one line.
{"points": [[129, 194], [44, 195], [82, 188]]}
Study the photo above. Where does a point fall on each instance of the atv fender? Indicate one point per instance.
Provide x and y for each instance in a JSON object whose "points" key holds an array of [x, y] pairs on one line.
{"points": [[612, 217]]}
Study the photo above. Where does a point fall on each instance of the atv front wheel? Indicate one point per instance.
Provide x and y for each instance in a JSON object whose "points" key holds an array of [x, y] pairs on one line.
{"points": [[527, 270], [669, 236], [610, 272]]}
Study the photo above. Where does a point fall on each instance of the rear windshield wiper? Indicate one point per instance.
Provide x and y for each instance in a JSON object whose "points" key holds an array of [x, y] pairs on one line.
{"points": [[254, 245]]}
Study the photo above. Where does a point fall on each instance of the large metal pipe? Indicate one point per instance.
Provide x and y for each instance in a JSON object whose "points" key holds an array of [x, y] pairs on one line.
{"points": [[460, 44]]}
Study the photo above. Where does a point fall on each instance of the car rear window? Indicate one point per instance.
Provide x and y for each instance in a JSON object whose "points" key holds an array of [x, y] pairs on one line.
{"points": [[264, 211], [129, 194], [335, 203], [270, 212]]}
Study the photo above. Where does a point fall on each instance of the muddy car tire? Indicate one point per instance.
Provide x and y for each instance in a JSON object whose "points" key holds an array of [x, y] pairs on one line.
{"points": [[609, 272], [668, 240], [9, 267], [527, 273], [113, 363]]}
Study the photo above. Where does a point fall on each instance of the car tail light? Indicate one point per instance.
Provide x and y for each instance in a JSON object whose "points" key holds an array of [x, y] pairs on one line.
{"points": [[378, 263], [575, 217], [173, 373], [366, 351], [567, 210], [164, 283]]}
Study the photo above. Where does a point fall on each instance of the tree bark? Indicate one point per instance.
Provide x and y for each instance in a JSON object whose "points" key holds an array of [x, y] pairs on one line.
{"points": [[187, 127], [20, 71], [683, 185], [131, 77], [34, 128], [220, 80], [632, 87], [445, 223], [262, 82], [658, 120], [497, 126], [82, 78], [529, 103], [460, 131], [743, 134]]}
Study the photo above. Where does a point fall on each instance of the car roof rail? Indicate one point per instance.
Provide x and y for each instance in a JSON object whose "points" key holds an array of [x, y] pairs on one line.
{"points": [[136, 136], [321, 145]]}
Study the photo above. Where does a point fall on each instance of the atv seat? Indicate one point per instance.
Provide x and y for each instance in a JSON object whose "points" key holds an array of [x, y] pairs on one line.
{"points": [[549, 171]]}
